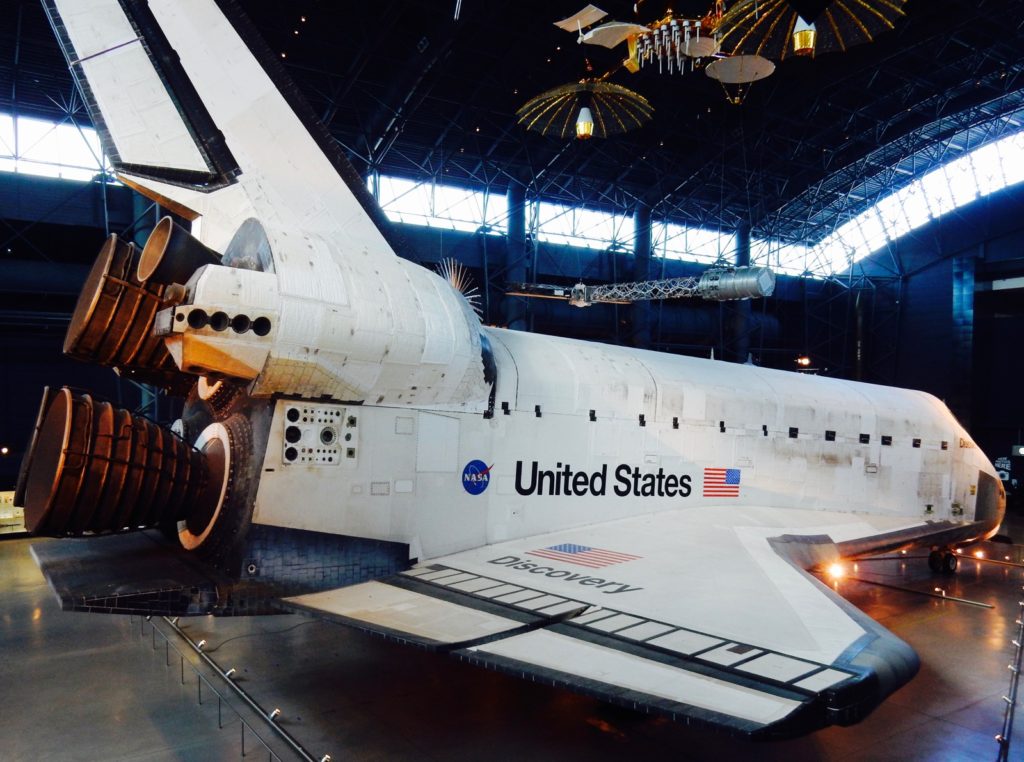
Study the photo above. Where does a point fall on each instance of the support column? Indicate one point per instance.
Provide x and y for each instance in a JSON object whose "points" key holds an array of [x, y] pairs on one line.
{"points": [[962, 344], [739, 330], [145, 220], [642, 271], [516, 256], [146, 214]]}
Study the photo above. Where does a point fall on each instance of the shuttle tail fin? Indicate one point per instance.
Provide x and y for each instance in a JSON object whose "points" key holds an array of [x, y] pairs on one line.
{"points": [[194, 111]]}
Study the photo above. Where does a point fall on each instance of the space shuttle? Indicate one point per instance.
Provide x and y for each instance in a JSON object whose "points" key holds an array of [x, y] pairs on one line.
{"points": [[357, 446]]}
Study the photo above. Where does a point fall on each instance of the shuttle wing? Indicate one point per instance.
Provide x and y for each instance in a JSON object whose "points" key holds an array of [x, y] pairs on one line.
{"points": [[705, 615]]}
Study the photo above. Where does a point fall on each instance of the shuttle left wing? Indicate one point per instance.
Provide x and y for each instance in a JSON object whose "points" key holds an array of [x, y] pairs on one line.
{"points": [[706, 615]]}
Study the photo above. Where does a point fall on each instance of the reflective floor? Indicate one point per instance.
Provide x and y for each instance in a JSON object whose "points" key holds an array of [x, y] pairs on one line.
{"points": [[84, 686]]}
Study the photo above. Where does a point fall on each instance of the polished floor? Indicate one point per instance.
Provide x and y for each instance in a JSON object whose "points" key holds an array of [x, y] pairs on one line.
{"points": [[89, 687]]}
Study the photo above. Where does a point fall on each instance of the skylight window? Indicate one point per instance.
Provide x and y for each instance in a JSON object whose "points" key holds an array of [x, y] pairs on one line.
{"points": [[937, 193], [1011, 158], [588, 228], [962, 185], [968, 177], [984, 171], [872, 229], [7, 153], [892, 215], [689, 244], [988, 169], [64, 150], [441, 206], [49, 149], [913, 203], [791, 259]]}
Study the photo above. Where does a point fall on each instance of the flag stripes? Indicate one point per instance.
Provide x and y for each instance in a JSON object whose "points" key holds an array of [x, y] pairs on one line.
{"points": [[721, 482], [582, 555]]}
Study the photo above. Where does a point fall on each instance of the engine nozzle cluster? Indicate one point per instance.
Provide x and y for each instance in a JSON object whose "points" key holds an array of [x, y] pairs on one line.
{"points": [[93, 468], [112, 324]]}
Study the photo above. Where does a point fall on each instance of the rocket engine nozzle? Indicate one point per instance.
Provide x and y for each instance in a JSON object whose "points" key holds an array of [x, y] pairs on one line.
{"points": [[112, 324], [172, 255], [94, 468]]}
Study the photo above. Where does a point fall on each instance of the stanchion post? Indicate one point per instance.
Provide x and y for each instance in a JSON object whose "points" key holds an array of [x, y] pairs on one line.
{"points": [[200, 680], [1003, 739]]}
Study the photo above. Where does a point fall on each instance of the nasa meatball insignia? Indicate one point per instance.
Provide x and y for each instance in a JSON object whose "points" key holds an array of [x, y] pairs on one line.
{"points": [[476, 476]]}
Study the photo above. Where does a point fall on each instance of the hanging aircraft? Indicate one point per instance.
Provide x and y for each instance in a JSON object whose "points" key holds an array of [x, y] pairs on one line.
{"points": [[356, 445]]}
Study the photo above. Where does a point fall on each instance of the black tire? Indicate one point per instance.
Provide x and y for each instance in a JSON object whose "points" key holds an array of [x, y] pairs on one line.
{"points": [[949, 563], [935, 561]]}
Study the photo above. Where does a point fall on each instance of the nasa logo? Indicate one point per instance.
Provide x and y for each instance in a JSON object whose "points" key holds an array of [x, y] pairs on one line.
{"points": [[476, 476]]}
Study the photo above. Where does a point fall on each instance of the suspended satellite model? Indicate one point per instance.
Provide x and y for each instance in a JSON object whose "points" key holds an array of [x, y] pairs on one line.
{"points": [[780, 28]]}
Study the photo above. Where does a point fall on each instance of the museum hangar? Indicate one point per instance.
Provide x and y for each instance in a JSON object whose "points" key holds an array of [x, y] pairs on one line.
{"points": [[591, 174]]}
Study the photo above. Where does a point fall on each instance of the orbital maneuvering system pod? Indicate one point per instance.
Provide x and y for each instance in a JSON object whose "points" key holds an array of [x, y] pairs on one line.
{"points": [[94, 468]]}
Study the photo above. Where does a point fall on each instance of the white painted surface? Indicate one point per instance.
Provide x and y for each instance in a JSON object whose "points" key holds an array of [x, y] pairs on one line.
{"points": [[141, 117], [777, 667], [437, 444], [822, 680], [594, 662], [699, 569], [354, 322], [778, 472], [405, 611]]}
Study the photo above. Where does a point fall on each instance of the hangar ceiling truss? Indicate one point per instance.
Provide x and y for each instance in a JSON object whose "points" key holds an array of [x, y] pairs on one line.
{"points": [[410, 91]]}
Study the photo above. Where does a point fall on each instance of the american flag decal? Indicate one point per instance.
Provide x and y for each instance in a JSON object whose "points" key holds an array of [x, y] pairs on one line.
{"points": [[721, 482], [582, 555]]}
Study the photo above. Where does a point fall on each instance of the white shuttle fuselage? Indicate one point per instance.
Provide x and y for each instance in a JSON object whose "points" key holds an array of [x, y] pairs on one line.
{"points": [[433, 392], [582, 433]]}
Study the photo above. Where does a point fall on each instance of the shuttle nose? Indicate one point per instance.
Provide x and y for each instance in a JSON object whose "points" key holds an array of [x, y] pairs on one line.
{"points": [[991, 502]]}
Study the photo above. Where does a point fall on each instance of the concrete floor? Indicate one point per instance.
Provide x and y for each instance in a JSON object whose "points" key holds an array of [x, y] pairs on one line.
{"points": [[85, 686]]}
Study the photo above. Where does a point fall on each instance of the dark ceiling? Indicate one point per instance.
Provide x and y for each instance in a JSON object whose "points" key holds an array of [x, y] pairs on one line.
{"points": [[409, 90]]}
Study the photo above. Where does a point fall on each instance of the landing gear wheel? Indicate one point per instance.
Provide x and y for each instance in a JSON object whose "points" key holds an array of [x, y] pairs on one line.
{"points": [[949, 563], [935, 561]]}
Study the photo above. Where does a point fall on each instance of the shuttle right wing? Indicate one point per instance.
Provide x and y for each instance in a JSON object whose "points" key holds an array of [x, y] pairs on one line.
{"points": [[704, 614]]}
